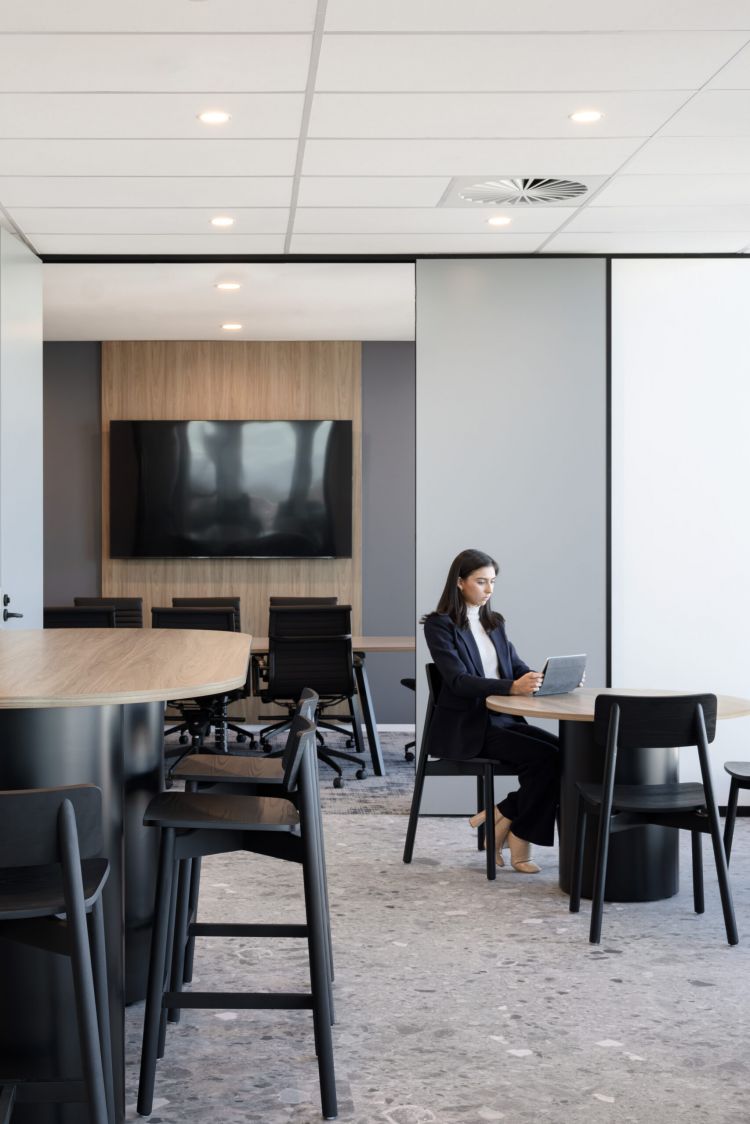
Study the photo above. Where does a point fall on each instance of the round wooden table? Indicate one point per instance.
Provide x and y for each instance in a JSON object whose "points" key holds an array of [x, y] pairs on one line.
{"points": [[643, 863], [87, 705]]}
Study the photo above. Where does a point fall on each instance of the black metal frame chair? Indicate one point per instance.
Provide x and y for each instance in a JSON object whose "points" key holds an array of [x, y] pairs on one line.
{"points": [[739, 771], [483, 768], [624, 723], [51, 883], [79, 616], [195, 824], [128, 610]]}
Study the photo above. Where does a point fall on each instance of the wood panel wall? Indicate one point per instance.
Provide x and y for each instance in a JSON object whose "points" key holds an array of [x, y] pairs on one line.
{"points": [[205, 380]]}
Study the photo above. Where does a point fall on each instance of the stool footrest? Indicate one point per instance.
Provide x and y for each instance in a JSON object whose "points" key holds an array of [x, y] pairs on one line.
{"points": [[241, 1001], [236, 929]]}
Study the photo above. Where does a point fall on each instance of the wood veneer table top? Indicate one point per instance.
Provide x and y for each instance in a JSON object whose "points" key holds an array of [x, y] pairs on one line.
{"points": [[100, 666], [578, 706], [359, 644]]}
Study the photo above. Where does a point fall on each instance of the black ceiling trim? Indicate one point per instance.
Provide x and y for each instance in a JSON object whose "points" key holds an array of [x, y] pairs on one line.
{"points": [[348, 259]]}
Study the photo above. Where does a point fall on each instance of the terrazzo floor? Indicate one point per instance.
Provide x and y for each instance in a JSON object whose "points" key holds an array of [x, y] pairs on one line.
{"points": [[460, 1001]]}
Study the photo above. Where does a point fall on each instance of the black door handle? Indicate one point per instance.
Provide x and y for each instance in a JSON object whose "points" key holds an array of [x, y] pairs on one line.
{"points": [[7, 616]]}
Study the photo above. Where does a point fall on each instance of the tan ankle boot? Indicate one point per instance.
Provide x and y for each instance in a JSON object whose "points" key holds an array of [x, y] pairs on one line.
{"points": [[520, 855]]}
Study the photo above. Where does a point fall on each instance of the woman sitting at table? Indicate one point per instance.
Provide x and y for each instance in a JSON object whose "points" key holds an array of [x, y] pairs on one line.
{"points": [[468, 644]]}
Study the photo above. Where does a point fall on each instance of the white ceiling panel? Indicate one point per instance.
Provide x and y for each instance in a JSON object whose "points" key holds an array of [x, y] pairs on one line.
{"points": [[638, 219], [370, 191], [154, 63], [713, 113], [147, 157], [693, 156], [647, 243], [658, 61], [149, 115], [667, 191], [481, 158], [146, 220], [145, 191], [427, 220], [161, 16], [736, 74], [414, 243], [633, 114], [288, 301], [543, 15], [157, 244]]}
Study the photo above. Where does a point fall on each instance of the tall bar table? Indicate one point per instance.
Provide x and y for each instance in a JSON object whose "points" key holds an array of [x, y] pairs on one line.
{"points": [[87, 705]]}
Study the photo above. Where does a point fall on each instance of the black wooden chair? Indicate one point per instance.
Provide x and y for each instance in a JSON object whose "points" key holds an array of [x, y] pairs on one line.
{"points": [[624, 723], [128, 610], [79, 616], [195, 824], [51, 883], [739, 771], [483, 768], [411, 685]]}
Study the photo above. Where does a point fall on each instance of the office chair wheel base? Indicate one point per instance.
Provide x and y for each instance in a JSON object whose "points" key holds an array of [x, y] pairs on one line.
{"points": [[183, 739], [361, 774], [338, 782]]}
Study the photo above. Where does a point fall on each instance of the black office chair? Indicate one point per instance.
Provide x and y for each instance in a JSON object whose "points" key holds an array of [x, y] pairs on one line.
{"points": [[311, 645], [75, 616], [411, 685], [624, 723], [51, 883], [739, 771], [198, 823], [128, 610], [483, 768], [209, 603], [303, 600]]}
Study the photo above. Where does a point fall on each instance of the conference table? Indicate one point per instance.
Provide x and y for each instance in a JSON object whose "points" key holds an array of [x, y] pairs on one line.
{"points": [[361, 645], [87, 705], [643, 863]]}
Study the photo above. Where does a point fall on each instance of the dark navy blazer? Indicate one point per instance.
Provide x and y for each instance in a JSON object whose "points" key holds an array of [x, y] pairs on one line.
{"points": [[461, 720]]}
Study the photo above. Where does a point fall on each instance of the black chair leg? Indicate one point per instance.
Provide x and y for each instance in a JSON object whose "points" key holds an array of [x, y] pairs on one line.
{"points": [[319, 976], [600, 877], [580, 843], [170, 954], [7, 1100], [489, 821], [696, 839], [480, 807], [734, 791], [180, 935], [722, 874], [156, 968], [416, 801], [99, 964], [195, 885]]}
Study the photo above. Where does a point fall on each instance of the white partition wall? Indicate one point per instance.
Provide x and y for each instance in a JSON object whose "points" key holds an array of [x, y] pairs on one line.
{"points": [[680, 473], [511, 452]]}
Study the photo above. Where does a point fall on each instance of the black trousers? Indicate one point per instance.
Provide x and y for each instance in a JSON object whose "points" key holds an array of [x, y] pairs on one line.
{"points": [[533, 807]]}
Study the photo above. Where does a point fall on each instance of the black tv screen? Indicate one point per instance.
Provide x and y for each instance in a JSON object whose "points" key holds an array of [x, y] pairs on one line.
{"points": [[230, 489]]}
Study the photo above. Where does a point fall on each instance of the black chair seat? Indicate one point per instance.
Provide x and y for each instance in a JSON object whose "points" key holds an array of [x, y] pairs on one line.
{"points": [[38, 891], [649, 798], [198, 810], [470, 767], [739, 769]]}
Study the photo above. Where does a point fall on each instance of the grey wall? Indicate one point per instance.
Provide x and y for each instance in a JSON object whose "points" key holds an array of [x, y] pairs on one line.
{"points": [[388, 518], [511, 453], [72, 471]]}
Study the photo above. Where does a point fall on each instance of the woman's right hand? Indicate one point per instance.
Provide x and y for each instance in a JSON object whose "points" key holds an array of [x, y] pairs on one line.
{"points": [[528, 684]]}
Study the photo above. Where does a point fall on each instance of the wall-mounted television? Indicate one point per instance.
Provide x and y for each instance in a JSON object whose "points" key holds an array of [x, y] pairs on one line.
{"points": [[230, 489]]}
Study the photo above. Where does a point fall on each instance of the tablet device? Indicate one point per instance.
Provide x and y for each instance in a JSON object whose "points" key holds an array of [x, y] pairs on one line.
{"points": [[561, 674]]}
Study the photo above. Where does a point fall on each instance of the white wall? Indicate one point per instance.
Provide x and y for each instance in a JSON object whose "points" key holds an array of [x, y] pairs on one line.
{"points": [[680, 473]]}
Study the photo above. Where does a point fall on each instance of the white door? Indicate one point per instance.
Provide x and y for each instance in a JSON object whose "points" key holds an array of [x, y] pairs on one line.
{"points": [[21, 431]]}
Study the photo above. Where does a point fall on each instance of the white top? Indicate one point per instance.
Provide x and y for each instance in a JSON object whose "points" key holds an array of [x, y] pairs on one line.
{"points": [[487, 650]]}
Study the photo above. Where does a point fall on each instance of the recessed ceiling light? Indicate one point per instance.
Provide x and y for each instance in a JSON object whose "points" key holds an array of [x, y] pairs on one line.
{"points": [[231, 327], [228, 285], [499, 220], [586, 116], [222, 220], [214, 117]]}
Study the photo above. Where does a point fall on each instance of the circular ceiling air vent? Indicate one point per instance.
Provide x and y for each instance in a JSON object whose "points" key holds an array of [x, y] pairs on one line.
{"points": [[522, 190]]}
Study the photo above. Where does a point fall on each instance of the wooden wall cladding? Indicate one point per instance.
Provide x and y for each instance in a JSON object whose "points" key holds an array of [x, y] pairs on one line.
{"points": [[152, 380]]}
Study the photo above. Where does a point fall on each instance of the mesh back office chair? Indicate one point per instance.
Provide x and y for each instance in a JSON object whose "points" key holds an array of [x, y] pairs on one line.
{"points": [[74, 616], [281, 600], [209, 603], [128, 610]]}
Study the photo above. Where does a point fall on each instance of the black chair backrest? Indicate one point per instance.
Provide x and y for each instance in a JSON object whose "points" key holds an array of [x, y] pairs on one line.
{"points": [[128, 610], [658, 721], [207, 603], [308, 704], [434, 682], [217, 617], [293, 621], [303, 600], [309, 646], [29, 823], [301, 738], [74, 616]]}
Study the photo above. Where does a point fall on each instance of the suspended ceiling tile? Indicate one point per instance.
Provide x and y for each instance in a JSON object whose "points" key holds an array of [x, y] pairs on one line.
{"points": [[713, 113], [543, 15], [147, 157], [145, 191], [690, 156], [146, 220], [149, 115], [414, 244], [663, 191], [642, 219], [164, 16], [123, 63], [658, 61], [157, 244], [735, 75], [481, 158], [631, 114], [428, 220], [700, 242], [370, 191]]}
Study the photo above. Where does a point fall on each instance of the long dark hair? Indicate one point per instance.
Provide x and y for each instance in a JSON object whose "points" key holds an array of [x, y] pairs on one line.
{"points": [[452, 603]]}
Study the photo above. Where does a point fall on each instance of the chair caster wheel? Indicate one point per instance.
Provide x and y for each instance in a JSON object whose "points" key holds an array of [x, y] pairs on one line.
{"points": [[242, 737], [361, 774], [349, 743], [337, 782], [183, 739], [408, 756]]}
